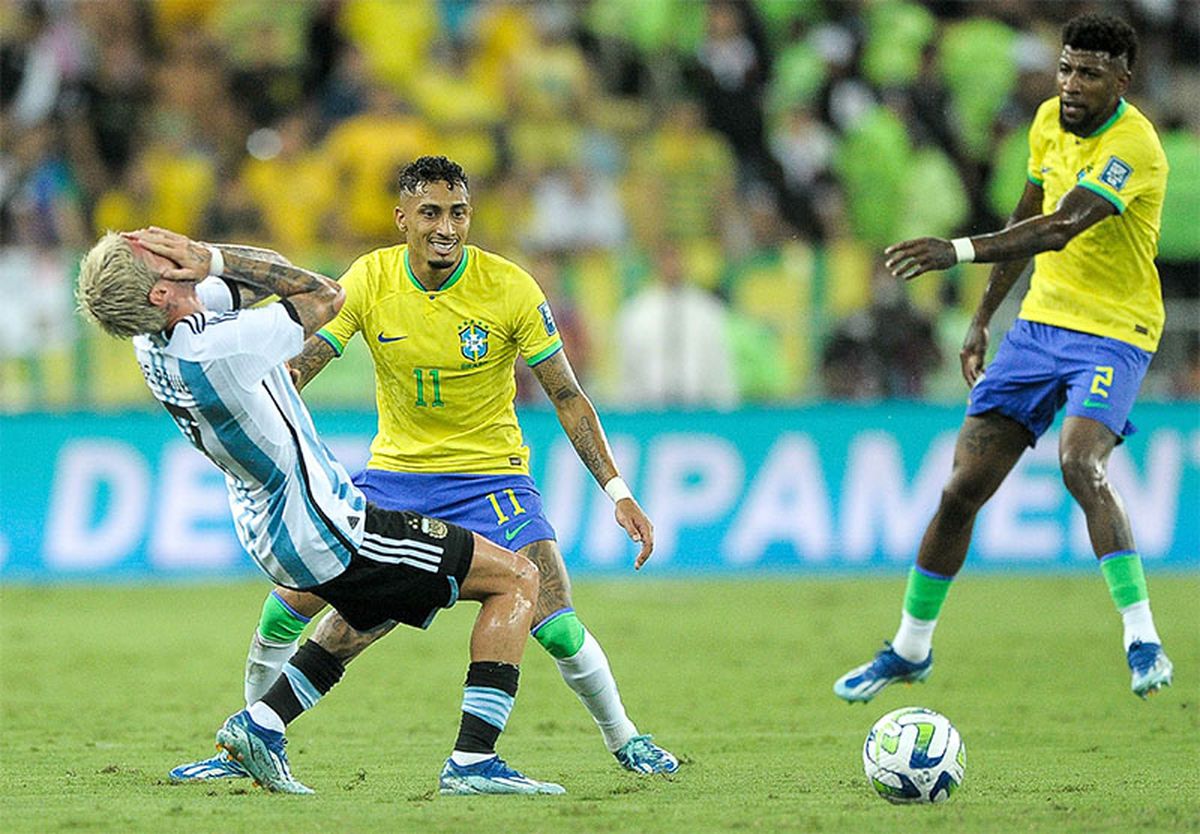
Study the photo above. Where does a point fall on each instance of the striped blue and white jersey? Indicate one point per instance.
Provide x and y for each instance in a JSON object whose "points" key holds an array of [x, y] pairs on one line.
{"points": [[221, 375]]}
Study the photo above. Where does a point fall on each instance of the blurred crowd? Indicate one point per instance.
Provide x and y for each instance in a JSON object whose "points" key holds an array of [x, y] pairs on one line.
{"points": [[702, 189]]}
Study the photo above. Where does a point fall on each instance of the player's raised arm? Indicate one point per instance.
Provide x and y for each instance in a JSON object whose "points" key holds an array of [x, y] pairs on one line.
{"points": [[582, 424], [312, 298], [1080, 209]]}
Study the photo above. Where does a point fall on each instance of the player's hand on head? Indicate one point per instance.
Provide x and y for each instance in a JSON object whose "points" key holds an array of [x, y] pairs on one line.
{"points": [[637, 524], [911, 258], [192, 260]]}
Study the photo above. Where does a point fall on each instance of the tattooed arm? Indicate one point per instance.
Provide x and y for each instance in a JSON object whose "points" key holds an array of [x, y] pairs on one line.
{"points": [[581, 423], [312, 298], [251, 295], [315, 356]]}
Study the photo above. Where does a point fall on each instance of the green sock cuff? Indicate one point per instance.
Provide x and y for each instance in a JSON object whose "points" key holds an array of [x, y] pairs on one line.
{"points": [[925, 593], [278, 622], [1125, 577], [561, 634]]}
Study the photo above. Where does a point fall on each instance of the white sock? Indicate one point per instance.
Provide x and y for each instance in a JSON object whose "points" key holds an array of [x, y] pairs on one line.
{"points": [[914, 638], [266, 717], [588, 675], [264, 664], [461, 757], [1139, 624]]}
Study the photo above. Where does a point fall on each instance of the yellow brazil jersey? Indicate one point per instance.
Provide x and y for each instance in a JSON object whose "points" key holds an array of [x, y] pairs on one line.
{"points": [[1104, 281], [444, 359]]}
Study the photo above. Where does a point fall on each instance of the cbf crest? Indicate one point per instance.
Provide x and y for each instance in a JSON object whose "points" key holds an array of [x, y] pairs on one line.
{"points": [[473, 340]]}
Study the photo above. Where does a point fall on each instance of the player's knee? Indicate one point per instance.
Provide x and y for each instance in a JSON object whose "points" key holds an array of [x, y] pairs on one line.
{"points": [[560, 634], [1083, 475], [526, 576], [960, 503]]}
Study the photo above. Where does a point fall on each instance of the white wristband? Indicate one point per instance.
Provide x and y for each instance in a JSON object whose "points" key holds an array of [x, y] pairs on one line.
{"points": [[216, 267], [617, 489], [964, 250]]}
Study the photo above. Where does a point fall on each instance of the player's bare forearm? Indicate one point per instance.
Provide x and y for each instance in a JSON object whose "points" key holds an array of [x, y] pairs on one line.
{"points": [[1079, 210], [577, 416], [342, 640], [277, 277], [308, 363], [252, 295], [314, 298]]}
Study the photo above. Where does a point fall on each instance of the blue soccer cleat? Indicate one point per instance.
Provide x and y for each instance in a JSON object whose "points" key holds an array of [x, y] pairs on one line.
{"points": [[641, 755], [491, 776], [863, 683], [260, 751], [1151, 668], [220, 766]]}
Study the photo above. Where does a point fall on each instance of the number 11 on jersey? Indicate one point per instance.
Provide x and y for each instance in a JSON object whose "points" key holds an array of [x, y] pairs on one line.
{"points": [[435, 383]]}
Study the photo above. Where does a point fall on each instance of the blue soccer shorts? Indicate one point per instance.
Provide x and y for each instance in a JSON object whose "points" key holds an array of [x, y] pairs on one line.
{"points": [[507, 509], [1039, 368]]}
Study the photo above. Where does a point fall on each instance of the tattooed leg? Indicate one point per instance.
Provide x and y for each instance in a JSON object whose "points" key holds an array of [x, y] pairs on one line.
{"points": [[988, 447], [342, 640], [554, 587]]}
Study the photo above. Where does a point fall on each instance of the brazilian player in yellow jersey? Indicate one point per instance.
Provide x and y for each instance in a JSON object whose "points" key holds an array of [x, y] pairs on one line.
{"points": [[445, 323], [1086, 332]]}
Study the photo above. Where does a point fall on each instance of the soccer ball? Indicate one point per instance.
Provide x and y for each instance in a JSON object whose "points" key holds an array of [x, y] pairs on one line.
{"points": [[914, 754]]}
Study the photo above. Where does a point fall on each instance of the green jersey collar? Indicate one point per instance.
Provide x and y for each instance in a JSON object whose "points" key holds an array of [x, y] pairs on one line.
{"points": [[1120, 111], [448, 283]]}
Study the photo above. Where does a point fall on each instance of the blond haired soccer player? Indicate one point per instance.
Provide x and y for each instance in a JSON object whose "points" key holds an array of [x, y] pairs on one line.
{"points": [[445, 323], [218, 369], [1087, 330]]}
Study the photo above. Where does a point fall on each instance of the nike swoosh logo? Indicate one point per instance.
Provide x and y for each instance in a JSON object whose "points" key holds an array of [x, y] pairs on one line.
{"points": [[1090, 404], [383, 340], [509, 535]]}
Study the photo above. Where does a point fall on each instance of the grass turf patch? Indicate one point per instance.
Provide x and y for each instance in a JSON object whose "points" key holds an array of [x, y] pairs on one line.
{"points": [[105, 688]]}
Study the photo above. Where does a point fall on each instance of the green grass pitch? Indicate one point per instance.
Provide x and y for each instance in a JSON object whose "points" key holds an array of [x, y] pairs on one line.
{"points": [[104, 688]]}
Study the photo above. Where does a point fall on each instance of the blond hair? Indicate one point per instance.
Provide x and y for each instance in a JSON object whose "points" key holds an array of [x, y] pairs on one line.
{"points": [[114, 289]]}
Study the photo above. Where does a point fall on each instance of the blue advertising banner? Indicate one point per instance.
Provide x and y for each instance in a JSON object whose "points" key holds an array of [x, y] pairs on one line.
{"points": [[821, 489]]}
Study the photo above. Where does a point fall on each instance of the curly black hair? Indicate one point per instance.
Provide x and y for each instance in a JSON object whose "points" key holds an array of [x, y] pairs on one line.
{"points": [[1102, 33], [429, 169]]}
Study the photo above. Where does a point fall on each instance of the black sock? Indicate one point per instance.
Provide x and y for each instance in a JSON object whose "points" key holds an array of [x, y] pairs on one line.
{"points": [[310, 673], [487, 700]]}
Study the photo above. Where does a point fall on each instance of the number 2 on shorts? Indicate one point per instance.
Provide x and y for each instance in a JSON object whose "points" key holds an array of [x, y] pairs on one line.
{"points": [[1102, 381]]}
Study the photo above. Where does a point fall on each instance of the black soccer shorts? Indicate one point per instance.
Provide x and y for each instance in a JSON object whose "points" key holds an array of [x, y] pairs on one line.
{"points": [[408, 568]]}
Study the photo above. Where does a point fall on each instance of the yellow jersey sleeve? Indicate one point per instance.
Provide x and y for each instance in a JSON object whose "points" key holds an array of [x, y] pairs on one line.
{"points": [[536, 334], [341, 329], [1129, 166]]}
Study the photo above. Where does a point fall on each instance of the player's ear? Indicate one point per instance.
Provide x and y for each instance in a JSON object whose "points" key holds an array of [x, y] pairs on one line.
{"points": [[400, 224], [159, 294]]}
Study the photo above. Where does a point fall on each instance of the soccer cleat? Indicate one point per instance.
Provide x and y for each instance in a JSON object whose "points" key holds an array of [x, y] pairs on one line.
{"points": [[641, 755], [863, 683], [220, 766], [1150, 666], [260, 751], [489, 776]]}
